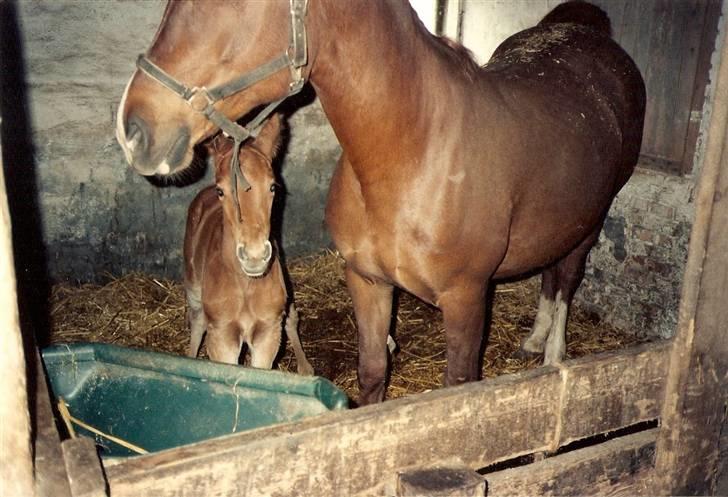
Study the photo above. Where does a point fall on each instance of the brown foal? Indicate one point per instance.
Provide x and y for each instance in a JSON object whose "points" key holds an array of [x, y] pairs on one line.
{"points": [[233, 279]]}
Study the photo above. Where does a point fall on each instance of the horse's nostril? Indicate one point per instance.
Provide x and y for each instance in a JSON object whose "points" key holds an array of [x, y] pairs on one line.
{"points": [[241, 253], [136, 133]]}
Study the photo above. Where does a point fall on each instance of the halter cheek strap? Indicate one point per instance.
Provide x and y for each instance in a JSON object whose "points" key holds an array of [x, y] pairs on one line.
{"points": [[202, 99]]}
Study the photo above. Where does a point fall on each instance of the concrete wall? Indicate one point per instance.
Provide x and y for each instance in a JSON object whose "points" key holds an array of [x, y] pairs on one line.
{"points": [[98, 216]]}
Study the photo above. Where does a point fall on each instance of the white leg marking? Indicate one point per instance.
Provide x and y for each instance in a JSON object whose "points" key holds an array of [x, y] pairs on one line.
{"points": [[391, 344], [556, 343], [534, 343]]}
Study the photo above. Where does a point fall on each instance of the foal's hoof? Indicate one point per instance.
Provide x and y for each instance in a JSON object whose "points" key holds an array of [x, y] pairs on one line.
{"points": [[305, 369]]}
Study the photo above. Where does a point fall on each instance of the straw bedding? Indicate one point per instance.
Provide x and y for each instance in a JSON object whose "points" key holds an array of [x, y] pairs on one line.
{"points": [[138, 311]]}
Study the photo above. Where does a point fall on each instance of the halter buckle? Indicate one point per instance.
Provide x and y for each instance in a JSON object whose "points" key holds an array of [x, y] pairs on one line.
{"points": [[199, 99]]}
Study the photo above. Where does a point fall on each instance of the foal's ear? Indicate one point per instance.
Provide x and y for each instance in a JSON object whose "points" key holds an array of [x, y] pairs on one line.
{"points": [[269, 138]]}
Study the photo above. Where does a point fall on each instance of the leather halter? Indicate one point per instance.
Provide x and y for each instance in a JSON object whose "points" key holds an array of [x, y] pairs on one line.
{"points": [[202, 99]]}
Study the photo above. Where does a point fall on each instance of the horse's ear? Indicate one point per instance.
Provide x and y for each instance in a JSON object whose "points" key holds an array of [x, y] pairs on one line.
{"points": [[269, 138]]}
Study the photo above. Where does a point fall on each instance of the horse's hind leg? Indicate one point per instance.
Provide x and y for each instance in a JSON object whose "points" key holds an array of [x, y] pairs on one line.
{"points": [[463, 310], [536, 340], [195, 320], [373, 308], [302, 365], [569, 273]]}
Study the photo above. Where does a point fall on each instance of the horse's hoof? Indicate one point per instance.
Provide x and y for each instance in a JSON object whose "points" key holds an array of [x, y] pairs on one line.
{"points": [[526, 355]]}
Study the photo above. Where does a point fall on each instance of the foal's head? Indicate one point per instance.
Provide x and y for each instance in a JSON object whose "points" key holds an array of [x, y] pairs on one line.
{"points": [[248, 198], [201, 44]]}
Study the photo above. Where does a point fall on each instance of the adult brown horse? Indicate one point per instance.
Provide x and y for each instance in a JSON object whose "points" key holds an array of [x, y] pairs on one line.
{"points": [[451, 175]]}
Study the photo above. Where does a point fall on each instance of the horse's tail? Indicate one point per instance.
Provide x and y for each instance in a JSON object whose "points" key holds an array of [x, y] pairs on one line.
{"points": [[579, 12]]}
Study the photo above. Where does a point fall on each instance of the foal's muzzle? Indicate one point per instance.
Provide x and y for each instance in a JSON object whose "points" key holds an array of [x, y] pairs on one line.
{"points": [[254, 264]]}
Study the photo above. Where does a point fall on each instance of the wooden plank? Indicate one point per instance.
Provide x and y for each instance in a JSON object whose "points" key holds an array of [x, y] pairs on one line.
{"points": [[702, 76], [440, 481], [83, 466], [16, 461], [617, 467], [696, 390], [615, 390], [345, 453], [51, 479], [352, 452]]}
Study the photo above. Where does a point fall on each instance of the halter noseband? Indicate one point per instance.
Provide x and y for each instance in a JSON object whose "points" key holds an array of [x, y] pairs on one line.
{"points": [[202, 99]]}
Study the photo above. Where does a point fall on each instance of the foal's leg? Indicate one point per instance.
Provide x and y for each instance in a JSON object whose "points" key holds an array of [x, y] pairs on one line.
{"points": [[569, 273], [463, 310], [195, 320], [224, 342], [302, 365], [265, 343], [534, 343], [373, 308]]}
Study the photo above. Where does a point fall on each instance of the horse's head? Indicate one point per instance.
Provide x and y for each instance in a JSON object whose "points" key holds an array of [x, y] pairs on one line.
{"points": [[246, 192], [211, 62]]}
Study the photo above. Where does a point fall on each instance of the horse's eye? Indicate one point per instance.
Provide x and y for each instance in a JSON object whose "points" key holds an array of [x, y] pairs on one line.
{"points": [[220, 193], [273, 188]]}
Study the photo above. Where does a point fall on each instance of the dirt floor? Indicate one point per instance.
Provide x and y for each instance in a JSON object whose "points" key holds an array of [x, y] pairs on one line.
{"points": [[138, 311]]}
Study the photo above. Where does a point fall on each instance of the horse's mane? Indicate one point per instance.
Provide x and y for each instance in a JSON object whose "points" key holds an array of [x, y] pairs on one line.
{"points": [[460, 54]]}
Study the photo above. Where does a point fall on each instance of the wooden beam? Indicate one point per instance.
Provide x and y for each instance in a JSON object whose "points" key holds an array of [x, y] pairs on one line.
{"points": [[83, 466], [51, 479], [16, 462], [617, 467], [352, 452], [696, 390], [612, 391]]}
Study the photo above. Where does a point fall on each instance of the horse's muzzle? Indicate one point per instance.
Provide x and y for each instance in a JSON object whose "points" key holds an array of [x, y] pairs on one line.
{"points": [[254, 265], [149, 156]]}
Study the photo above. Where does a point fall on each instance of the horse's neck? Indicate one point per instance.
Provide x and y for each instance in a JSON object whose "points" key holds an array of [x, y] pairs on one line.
{"points": [[367, 70]]}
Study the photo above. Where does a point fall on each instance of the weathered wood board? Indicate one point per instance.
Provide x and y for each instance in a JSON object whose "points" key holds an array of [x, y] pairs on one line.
{"points": [[351, 452], [616, 467], [696, 388]]}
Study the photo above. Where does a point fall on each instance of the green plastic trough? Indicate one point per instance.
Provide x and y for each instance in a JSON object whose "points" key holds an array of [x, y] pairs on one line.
{"points": [[159, 401]]}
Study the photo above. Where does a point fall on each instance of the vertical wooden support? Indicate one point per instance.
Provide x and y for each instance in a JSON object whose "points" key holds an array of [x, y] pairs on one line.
{"points": [[16, 464], [697, 382]]}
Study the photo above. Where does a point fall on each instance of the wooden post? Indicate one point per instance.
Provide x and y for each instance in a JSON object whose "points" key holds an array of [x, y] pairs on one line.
{"points": [[16, 464], [695, 394]]}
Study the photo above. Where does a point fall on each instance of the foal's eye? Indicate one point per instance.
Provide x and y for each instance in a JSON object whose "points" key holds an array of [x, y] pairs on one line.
{"points": [[273, 188], [220, 193]]}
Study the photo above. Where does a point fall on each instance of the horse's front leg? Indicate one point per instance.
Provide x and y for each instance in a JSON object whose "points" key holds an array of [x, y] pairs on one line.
{"points": [[463, 310], [373, 308]]}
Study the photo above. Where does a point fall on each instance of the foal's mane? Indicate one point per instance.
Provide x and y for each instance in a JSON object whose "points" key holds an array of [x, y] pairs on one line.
{"points": [[457, 52]]}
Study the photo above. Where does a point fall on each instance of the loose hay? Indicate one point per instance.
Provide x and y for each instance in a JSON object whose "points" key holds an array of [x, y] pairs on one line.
{"points": [[139, 311]]}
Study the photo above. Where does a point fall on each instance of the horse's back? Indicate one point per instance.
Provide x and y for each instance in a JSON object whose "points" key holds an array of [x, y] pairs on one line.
{"points": [[574, 100], [570, 62]]}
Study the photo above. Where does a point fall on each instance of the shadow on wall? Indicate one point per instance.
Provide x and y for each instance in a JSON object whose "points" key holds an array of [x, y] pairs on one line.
{"points": [[20, 178]]}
